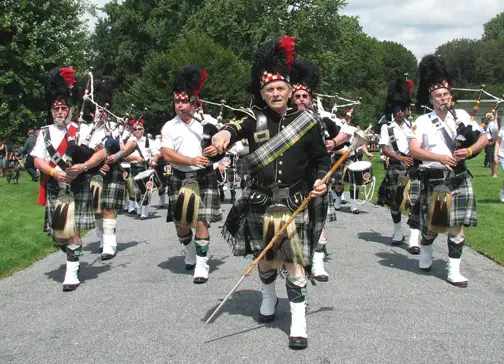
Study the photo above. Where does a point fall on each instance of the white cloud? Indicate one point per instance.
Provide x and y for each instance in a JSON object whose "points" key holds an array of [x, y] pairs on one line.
{"points": [[420, 25], [423, 25]]}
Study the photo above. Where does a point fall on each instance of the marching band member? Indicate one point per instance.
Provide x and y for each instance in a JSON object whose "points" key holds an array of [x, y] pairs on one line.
{"points": [[305, 78], [105, 134], [285, 148], [436, 140], [194, 196], [64, 189], [354, 157], [394, 145], [145, 156]]}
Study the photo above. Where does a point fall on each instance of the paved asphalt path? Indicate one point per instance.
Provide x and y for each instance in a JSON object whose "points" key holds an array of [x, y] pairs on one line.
{"points": [[142, 306]]}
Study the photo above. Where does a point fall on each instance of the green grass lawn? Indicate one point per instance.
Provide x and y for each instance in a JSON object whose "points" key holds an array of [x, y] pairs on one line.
{"points": [[22, 241], [486, 238]]}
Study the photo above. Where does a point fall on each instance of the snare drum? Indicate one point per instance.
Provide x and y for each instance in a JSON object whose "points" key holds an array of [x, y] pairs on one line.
{"points": [[227, 161], [126, 170], [360, 173], [146, 181]]}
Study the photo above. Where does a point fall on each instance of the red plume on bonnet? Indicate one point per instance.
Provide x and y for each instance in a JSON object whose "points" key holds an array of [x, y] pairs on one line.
{"points": [[288, 44], [204, 75], [68, 75], [410, 87]]}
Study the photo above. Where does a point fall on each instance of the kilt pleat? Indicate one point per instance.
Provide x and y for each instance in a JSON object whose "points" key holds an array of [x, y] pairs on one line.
{"points": [[209, 207], [114, 189], [463, 209]]}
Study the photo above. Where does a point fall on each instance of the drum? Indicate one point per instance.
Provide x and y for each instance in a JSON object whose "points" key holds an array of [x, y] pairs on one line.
{"points": [[147, 181], [164, 169], [227, 161], [126, 170], [360, 173]]}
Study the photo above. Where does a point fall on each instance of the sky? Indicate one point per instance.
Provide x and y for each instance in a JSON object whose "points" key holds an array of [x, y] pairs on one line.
{"points": [[420, 25]]}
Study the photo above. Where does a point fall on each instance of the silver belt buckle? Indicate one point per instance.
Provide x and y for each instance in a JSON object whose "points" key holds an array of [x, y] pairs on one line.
{"points": [[191, 174], [280, 193]]}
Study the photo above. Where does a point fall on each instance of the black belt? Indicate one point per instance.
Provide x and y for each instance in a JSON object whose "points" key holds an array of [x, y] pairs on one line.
{"points": [[200, 173], [278, 191], [444, 173]]}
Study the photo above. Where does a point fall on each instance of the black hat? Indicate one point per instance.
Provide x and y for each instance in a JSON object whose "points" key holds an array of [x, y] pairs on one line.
{"points": [[188, 83], [272, 62], [433, 75], [61, 88], [305, 75], [398, 95]]}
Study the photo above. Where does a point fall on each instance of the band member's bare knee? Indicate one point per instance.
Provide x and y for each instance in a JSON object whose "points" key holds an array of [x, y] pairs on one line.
{"points": [[202, 230], [108, 213]]}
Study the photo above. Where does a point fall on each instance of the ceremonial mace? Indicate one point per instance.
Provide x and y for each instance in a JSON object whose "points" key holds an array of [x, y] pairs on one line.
{"points": [[360, 139]]}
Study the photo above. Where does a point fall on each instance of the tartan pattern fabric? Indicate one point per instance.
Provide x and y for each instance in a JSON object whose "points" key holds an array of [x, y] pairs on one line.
{"points": [[84, 211], [248, 218], [277, 145], [299, 86], [320, 211], [390, 182], [209, 207], [268, 77], [180, 96], [114, 189], [463, 210]]}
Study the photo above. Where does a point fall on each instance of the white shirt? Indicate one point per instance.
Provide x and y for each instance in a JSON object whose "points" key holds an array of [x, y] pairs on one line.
{"points": [[185, 139], [99, 134], [492, 130], [501, 146], [400, 134], [432, 140], [147, 153]]}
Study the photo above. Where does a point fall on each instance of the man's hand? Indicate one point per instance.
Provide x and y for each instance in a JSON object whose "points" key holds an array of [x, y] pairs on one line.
{"points": [[330, 144], [75, 170], [221, 141], [199, 161], [408, 161], [61, 176], [112, 159], [461, 154], [370, 155], [448, 161], [210, 151], [319, 188], [104, 169]]}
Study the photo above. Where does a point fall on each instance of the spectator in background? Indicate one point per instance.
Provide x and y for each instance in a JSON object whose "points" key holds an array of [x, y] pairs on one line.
{"points": [[3, 156], [492, 131], [499, 156], [27, 149]]}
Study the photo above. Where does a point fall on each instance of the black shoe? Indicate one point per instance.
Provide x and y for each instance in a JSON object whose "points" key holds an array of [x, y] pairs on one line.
{"points": [[321, 278], [397, 242], [298, 343], [428, 269], [190, 266], [70, 287], [107, 256], [200, 280], [414, 250], [356, 212]]}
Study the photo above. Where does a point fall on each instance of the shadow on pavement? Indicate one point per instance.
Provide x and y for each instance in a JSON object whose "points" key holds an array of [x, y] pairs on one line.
{"points": [[400, 261], [87, 271], [176, 265], [246, 303]]}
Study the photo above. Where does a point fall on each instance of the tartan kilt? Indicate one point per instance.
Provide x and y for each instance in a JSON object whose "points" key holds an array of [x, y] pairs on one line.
{"points": [[388, 187], [463, 209], [84, 211], [114, 189], [320, 211], [243, 229], [209, 207]]}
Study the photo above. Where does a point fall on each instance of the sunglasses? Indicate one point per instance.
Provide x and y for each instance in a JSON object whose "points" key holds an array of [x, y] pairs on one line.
{"points": [[399, 109], [137, 129]]}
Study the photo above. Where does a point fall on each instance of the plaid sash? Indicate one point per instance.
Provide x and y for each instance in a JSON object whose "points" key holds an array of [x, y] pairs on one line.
{"points": [[281, 142]]}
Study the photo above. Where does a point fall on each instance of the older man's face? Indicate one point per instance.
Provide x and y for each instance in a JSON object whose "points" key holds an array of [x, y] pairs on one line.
{"points": [[277, 94], [440, 97]]}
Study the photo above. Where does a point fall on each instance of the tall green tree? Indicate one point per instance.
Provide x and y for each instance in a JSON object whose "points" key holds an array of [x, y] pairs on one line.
{"points": [[397, 60], [36, 37], [494, 29], [228, 78], [460, 56]]}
